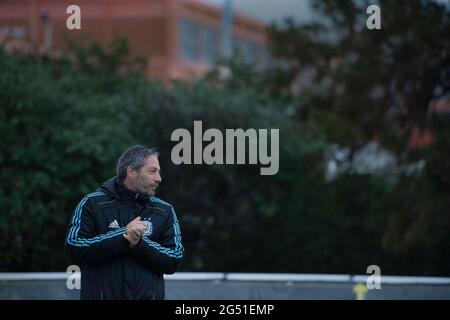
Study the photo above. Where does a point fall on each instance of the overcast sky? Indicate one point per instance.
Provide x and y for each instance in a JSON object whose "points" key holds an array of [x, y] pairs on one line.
{"points": [[270, 10]]}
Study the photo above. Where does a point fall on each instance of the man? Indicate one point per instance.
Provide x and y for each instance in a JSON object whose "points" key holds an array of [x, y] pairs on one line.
{"points": [[122, 236]]}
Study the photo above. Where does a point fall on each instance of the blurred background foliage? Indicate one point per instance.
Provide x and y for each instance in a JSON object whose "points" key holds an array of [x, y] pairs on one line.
{"points": [[334, 85]]}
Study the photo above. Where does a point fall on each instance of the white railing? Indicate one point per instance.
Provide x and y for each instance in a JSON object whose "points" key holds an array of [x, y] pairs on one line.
{"points": [[269, 277]]}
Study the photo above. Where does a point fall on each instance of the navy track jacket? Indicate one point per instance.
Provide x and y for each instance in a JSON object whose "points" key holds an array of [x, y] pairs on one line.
{"points": [[110, 269]]}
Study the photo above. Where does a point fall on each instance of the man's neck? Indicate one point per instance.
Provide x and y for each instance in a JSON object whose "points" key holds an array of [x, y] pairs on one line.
{"points": [[127, 185]]}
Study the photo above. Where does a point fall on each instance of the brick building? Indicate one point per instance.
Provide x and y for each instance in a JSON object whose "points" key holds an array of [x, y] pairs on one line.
{"points": [[180, 39]]}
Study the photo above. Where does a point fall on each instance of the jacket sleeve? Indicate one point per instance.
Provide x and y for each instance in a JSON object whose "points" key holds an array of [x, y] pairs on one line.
{"points": [[85, 245], [165, 256]]}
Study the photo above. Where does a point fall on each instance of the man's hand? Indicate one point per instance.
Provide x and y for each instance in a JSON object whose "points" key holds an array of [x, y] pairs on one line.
{"points": [[134, 231]]}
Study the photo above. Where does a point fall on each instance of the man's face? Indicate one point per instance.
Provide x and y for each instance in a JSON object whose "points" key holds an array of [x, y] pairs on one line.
{"points": [[147, 178]]}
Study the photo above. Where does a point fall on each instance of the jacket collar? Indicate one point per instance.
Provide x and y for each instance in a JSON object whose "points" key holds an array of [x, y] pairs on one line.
{"points": [[115, 188]]}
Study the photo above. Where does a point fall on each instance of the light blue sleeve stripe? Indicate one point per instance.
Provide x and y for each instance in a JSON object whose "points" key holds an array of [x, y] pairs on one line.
{"points": [[177, 230], [73, 238], [77, 214], [169, 252], [177, 236], [99, 237], [178, 251], [85, 242]]}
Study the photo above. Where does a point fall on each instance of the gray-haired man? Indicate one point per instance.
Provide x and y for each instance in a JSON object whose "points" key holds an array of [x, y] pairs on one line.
{"points": [[122, 236]]}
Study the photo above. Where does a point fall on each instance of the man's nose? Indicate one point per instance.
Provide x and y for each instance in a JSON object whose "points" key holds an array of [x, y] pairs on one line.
{"points": [[158, 178]]}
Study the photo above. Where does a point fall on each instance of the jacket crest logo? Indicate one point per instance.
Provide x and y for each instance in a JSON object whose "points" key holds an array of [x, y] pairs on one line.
{"points": [[148, 231]]}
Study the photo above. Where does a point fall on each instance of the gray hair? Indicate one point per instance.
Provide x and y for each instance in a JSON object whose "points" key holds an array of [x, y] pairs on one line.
{"points": [[135, 157]]}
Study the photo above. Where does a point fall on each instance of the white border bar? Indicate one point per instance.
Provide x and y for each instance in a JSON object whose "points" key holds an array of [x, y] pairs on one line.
{"points": [[219, 276], [288, 277], [195, 276], [16, 276], [404, 280]]}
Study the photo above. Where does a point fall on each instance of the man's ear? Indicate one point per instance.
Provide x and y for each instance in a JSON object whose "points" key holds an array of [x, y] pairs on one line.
{"points": [[130, 172]]}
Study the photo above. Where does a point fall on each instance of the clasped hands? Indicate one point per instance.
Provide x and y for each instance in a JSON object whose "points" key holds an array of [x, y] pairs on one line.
{"points": [[134, 231]]}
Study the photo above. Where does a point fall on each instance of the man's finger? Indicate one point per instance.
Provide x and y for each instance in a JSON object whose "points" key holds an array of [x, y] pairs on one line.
{"points": [[131, 237], [135, 233], [139, 226]]}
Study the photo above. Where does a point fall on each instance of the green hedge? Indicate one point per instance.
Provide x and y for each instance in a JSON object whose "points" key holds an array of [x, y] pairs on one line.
{"points": [[63, 126]]}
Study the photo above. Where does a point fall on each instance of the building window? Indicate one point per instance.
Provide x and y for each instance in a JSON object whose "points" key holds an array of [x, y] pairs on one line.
{"points": [[198, 42], [210, 45], [12, 32], [266, 61], [202, 43], [244, 50], [189, 38], [249, 52], [236, 45]]}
